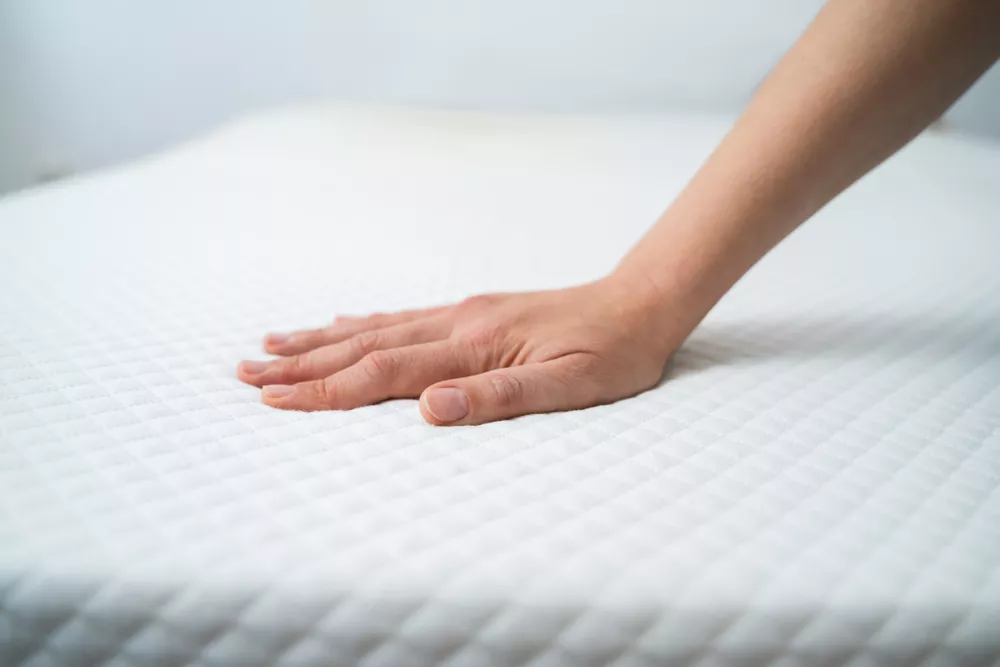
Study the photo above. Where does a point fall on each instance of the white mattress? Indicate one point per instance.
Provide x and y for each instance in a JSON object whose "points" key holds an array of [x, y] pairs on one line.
{"points": [[817, 481]]}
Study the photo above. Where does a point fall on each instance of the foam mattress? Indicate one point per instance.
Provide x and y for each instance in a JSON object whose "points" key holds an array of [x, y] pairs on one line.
{"points": [[816, 480]]}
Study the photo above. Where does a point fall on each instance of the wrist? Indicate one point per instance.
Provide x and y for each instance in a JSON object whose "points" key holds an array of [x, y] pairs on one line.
{"points": [[655, 314]]}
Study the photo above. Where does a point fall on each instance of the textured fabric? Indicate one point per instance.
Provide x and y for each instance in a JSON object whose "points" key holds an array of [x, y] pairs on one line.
{"points": [[814, 482]]}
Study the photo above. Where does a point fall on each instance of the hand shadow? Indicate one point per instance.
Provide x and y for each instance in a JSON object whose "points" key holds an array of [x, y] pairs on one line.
{"points": [[883, 338]]}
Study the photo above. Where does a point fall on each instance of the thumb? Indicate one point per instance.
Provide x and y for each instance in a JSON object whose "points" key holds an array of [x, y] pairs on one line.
{"points": [[559, 384]]}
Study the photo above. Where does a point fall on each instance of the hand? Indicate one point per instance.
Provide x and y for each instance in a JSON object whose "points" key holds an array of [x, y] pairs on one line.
{"points": [[489, 357]]}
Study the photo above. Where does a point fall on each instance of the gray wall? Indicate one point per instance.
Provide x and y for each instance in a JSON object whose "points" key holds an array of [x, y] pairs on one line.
{"points": [[88, 83]]}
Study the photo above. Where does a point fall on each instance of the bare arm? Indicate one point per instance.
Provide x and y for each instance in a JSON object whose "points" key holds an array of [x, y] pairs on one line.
{"points": [[862, 81]]}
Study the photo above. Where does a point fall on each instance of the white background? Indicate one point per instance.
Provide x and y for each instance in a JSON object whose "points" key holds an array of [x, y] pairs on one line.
{"points": [[85, 83]]}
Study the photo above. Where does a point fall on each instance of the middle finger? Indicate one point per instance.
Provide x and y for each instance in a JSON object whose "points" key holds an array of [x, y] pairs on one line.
{"points": [[329, 359]]}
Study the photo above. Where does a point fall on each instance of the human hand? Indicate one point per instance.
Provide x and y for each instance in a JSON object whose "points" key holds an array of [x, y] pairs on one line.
{"points": [[487, 358]]}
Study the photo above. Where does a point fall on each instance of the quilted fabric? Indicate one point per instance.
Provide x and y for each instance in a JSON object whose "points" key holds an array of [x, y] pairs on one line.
{"points": [[816, 481]]}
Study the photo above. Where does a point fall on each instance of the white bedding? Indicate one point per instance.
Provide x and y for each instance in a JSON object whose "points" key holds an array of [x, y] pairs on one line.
{"points": [[817, 481]]}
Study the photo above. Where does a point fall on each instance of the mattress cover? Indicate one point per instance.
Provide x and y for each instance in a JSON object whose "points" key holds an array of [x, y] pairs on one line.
{"points": [[816, 480]]}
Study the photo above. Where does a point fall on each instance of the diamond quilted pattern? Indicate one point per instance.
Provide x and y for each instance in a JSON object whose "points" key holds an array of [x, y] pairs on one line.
{"points": [[817, 480]]}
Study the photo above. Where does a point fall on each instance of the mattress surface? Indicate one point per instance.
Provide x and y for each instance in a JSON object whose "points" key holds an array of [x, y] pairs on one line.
{"points": [[816, 480]]}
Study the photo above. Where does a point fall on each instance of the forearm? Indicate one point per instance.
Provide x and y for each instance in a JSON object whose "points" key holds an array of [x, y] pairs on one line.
{"points": [[862, 81]]}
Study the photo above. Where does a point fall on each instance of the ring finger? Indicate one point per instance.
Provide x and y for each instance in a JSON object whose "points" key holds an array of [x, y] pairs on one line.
{"points": [[342, 329], [329, 359]]}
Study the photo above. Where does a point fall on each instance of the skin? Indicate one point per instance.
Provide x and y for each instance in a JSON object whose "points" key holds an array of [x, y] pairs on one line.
{"points": [[862, 81]]}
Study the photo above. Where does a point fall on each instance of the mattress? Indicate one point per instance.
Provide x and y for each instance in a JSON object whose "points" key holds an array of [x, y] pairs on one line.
{"points": [[815, 481]]}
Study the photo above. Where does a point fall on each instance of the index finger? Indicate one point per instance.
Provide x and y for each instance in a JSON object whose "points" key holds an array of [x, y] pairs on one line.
{"points": [[402, 372]]}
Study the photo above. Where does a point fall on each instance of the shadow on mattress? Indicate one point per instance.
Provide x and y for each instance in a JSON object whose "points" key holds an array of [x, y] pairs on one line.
{"points": [[874, 340]]}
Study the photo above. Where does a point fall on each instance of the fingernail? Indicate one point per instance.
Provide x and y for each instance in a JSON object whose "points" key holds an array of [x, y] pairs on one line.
{"points": [[278, 390], [253, 367], [278, 338], [448, 404]]}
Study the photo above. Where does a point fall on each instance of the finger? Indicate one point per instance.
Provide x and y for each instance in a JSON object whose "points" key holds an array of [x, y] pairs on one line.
{"points": [[402, 372], [566, 383], [343, 327], [329, 359]]}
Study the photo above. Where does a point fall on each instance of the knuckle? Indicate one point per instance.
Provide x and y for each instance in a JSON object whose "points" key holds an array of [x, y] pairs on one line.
{"points": [[477, 303], [507, 389], [380, 365], [326, 392], [300, 364], [482, 335], [366, 342]]}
